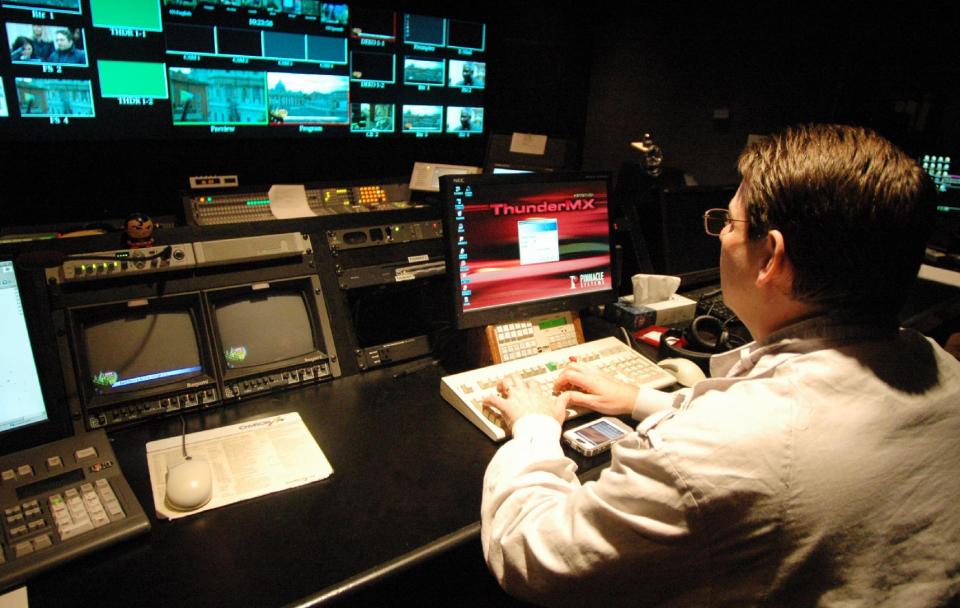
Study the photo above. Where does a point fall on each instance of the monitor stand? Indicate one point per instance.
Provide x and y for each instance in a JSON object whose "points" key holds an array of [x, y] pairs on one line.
{"points": [[542, 333]]}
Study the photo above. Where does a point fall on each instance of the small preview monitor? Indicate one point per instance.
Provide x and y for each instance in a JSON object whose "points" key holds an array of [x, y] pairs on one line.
{"points": [[263, 327], [139, 349], [527, 244]]}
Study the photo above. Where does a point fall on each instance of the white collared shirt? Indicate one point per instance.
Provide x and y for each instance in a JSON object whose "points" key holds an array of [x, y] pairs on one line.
{"points": [[794, 476]]}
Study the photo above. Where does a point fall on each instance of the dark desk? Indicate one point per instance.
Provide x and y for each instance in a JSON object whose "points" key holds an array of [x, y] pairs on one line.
{"points": [[406, 486]]}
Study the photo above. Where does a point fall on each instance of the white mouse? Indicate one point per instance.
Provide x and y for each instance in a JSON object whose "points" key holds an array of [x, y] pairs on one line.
{"points": [[686, 371], [189, 484]]}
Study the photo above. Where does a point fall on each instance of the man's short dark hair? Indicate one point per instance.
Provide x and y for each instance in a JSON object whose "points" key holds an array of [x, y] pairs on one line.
{"points": [[854, 209]]}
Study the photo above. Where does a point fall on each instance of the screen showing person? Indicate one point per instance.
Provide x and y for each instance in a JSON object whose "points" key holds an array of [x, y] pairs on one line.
{"points": [[261, 330], [464, 120], [136, 350], [518, 239], [372, 117], [52, 44], [422, 119], [467, 74]]}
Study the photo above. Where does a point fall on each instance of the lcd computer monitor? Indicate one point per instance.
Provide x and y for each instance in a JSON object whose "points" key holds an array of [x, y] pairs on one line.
{"points": [[25, 419], [141, 348], [527, 244]]}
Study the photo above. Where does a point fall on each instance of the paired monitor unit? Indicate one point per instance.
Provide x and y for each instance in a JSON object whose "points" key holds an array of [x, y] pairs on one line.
{"points": [[131, 348]]}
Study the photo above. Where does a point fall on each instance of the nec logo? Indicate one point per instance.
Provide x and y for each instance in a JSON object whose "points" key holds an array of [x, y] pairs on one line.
{"points": [[583, 204]]}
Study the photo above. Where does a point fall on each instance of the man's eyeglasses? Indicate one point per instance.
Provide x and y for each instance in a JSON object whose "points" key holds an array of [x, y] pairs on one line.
{"points": [[715, 220]]}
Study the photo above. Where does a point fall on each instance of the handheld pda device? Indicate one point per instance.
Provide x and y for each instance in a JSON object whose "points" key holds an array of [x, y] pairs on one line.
{"points": [[596, 436]]}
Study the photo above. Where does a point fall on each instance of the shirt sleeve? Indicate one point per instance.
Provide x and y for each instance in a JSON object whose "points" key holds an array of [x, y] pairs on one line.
{"points": [[549, 539]]}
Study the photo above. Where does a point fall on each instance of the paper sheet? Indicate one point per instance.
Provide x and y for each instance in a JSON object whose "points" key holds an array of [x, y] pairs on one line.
{"points": [[288, 201], [528, 143], [249, 459]]}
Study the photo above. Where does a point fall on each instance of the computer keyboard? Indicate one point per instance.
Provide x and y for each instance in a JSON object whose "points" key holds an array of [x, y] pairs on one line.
{"points": [[60, 501], [465, 391]]}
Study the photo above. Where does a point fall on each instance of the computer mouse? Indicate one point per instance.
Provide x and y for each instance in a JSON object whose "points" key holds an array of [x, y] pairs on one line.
{"points": [[685, 371], [189, 484]]}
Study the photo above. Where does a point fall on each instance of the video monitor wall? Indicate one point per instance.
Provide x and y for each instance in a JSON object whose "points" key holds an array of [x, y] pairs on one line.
{"points": [[145, 69]]}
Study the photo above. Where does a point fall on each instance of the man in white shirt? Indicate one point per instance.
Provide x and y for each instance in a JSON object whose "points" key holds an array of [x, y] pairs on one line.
{"points": [[817, 466]]}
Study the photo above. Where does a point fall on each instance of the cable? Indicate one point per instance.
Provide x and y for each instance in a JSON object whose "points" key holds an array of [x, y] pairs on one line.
{"points": [[183, 437]]}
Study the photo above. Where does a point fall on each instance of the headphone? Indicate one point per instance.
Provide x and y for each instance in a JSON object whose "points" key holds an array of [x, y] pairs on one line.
{"points": [[705, 336]]}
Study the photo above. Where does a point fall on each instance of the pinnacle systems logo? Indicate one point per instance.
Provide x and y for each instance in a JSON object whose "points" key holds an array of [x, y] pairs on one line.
{"points": [[589, 279]]}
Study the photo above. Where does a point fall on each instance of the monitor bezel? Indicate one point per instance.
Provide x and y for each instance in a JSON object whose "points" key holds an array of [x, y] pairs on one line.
{"points": [[185, 302], [37, 315], [515, 312], [307, 289]]}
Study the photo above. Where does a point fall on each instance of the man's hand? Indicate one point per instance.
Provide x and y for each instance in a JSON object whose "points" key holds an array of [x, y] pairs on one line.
{"points": [[585, 386], [517, 398]]}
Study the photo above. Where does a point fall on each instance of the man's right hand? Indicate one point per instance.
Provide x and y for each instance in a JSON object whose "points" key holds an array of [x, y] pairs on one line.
{"points": [[585, 386]]}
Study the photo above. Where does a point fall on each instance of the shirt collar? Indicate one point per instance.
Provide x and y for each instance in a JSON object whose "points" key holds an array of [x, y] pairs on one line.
{"points": [[806, 335]]}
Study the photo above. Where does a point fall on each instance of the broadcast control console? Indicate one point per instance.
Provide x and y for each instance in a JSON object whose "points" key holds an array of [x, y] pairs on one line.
{"points": [[235, 207]]}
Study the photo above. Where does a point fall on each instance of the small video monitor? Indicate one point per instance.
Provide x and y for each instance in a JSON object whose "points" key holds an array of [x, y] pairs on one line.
{"points": [[423, 72], [370, 23], [308, 99], [218, 97], [54, 98], [262, 328], [422, 119], [423, 30], [466, 35], [464, 120], [372, 118], [527, 244], [134, 349], [373, 67], [467, 74], [34, 43]]}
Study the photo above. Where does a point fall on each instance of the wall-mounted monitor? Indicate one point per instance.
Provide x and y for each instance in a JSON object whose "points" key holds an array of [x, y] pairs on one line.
{"points": [[526, 244], [218, 69]]}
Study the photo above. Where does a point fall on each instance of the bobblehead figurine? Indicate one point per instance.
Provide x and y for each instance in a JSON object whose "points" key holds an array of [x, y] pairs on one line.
{"points": [[139, 229]]}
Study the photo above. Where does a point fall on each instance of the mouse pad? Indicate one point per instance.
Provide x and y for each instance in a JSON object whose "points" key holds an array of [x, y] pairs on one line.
{"points": [[247, 460]]}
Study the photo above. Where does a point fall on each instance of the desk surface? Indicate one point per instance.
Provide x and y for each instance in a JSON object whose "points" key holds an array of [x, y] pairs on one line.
{"points": [[406, 483]]}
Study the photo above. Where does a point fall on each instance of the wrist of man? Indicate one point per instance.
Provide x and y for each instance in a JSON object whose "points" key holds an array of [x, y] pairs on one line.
{"points": [[539, 425]]}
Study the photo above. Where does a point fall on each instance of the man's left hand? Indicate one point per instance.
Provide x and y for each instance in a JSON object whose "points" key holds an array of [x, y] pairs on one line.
{"points": [[517, 398]]}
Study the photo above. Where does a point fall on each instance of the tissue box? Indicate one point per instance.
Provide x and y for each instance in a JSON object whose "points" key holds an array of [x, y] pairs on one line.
{"points": [[676, 310]]}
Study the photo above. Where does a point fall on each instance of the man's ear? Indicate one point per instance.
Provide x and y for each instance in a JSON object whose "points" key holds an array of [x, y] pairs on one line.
{"points": [[775, 267]]}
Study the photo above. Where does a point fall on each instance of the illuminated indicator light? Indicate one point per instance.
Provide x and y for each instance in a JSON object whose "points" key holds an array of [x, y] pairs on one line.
{"points": [[258, 202], [83, 267]]}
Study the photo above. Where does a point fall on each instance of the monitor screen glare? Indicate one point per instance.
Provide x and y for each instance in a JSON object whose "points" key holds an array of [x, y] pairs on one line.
{"points": [[137, 351], [264, 330]]}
